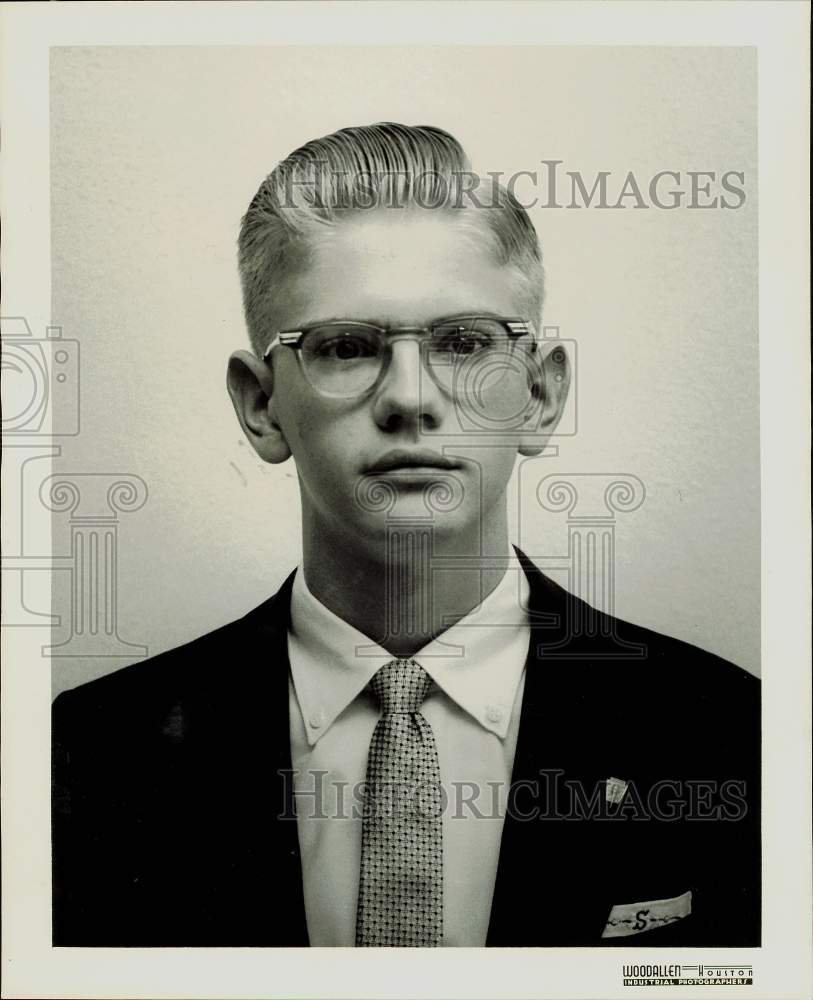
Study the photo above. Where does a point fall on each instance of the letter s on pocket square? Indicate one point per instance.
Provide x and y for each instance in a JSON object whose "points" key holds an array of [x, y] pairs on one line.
{"points": [[633, 918]]}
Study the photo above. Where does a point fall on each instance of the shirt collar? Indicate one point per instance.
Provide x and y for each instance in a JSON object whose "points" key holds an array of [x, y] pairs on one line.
{"points": [[478, 662]]}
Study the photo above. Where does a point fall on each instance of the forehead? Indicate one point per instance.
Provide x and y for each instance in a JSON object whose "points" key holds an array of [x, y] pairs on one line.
{"points": [[394, 266]]}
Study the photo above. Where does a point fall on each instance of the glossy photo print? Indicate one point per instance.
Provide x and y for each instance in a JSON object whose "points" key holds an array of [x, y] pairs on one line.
{"points": [[388, 482]]}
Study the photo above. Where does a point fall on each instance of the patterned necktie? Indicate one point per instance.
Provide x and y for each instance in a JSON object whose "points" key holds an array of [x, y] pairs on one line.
{"points": [[401, 881]]}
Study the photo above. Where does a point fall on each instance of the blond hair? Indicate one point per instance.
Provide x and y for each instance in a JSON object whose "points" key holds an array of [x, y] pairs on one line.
{"points": [[412, 167]]}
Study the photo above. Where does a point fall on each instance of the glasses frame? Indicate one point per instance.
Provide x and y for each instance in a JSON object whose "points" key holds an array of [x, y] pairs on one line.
{"points": [[514, 327]]}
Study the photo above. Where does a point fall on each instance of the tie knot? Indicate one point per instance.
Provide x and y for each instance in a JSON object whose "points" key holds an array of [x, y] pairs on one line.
{"points": [[401, 686]]}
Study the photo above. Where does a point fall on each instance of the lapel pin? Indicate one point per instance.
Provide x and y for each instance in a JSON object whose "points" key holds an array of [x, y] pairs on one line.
{"points": [[616, 789]]}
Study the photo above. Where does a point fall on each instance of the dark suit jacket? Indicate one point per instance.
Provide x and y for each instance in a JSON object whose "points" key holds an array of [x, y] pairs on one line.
{"points": [[170, 777]]}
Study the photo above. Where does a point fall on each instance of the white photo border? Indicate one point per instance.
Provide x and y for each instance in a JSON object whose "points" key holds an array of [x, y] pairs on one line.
{"points": [[782, 966]]}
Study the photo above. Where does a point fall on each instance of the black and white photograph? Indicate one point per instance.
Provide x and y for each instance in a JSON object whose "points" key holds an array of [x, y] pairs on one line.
{"points": [[389, 495]]}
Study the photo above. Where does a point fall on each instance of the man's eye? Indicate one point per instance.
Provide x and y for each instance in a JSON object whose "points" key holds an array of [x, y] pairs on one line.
{"points": [[346, 348], [461, 345]]}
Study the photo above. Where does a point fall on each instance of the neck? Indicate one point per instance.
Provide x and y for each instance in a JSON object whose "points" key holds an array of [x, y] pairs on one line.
{"points": [[394, 589]]}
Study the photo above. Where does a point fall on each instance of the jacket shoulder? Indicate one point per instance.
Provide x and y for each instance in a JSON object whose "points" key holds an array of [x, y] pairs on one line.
{"points": [[546, 593], [637, 664], [187, 672], [685, 660]]}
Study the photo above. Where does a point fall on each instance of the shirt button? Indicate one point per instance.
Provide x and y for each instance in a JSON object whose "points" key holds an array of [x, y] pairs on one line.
{"points": [[317, 719], [494, 714]]}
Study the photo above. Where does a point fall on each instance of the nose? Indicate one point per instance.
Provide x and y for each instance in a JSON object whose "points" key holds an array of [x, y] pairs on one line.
{"points": [[407, 397]]}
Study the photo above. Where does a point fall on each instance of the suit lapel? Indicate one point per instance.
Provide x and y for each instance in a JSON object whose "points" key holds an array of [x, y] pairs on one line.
{"points": [[553, 878], [257, 749]]}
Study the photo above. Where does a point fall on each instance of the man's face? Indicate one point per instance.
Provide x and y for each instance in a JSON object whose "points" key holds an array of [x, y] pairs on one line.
{"points": [[362, 460]]}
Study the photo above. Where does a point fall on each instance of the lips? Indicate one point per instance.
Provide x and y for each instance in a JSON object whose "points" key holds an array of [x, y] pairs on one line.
{"points": [[418, 459]]}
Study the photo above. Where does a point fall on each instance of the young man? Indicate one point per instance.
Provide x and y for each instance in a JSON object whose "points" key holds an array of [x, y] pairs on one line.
{"points": [[420, 740]]}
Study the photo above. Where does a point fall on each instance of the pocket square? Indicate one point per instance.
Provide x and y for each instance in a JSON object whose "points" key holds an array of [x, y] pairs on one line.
{"points": [[633, 918]]}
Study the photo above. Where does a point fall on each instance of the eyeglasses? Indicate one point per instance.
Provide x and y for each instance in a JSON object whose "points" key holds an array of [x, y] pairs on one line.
{"points": [[345, 359]]}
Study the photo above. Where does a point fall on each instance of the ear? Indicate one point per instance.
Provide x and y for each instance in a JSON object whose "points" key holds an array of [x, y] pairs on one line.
{"points": [[549, 387], [250, 382]]}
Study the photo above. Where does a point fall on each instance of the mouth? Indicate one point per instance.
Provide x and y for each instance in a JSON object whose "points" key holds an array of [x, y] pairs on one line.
{"points": [[402, 459]]}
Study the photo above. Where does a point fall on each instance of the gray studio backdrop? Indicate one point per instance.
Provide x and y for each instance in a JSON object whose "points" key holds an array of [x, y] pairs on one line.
{"points": [[171, 526]]}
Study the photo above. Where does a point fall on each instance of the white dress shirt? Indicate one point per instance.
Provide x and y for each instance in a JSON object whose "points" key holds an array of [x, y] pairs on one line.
{"points": [[478, 671]]}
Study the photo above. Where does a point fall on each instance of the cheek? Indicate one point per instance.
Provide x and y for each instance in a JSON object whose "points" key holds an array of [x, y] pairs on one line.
{"points": [[317, 441], [300, 421], [305, 429], [497, 397]]}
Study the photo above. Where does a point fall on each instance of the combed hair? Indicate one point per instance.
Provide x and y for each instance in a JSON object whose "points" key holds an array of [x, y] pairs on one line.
{"points": [[414, 167]]}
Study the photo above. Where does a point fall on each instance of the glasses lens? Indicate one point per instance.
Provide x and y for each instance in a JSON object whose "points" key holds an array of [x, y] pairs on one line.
{"points": [[342, 359], [457, 350]]}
